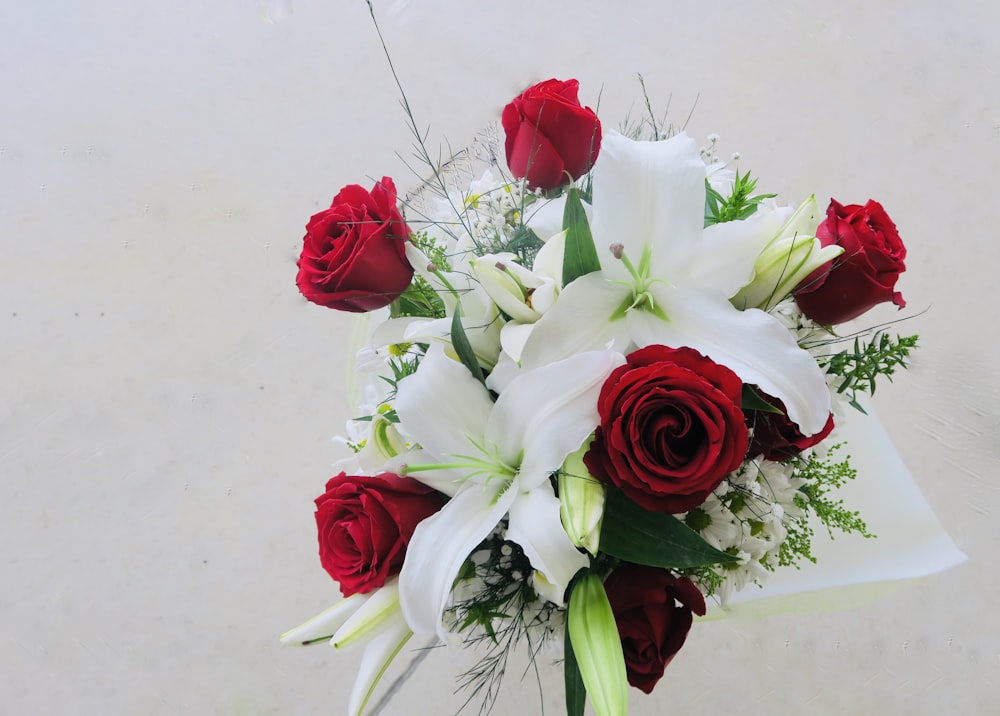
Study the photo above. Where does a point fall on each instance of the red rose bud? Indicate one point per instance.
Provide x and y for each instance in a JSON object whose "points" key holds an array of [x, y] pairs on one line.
{"points": [[864, 275], [354, 253], [549, 134], [671, 428], [653, 610], [365, 524], [775, 436]]}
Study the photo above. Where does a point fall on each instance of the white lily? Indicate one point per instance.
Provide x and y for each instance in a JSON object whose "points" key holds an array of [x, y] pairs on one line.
{"points": [[503, 454], [649, 202]]}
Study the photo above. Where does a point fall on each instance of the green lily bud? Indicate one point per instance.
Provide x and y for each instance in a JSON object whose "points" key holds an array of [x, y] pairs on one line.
{"points": [[594, 636], [581, 502], [787, 260]]}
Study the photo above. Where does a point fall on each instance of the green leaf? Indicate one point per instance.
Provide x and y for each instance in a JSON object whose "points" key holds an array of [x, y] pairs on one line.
{"points": [[655, 539], [463, 348], [580, 256], [576, 692], [597, 648], [752, 401]]}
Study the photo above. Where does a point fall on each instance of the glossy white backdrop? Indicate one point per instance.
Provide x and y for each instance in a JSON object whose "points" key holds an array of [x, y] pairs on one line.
{"points": [[168, 397]]}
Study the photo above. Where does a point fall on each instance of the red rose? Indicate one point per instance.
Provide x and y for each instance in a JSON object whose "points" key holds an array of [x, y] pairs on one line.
{"points": [[861, 277], [777, 437], [671, 428], [354, 253], [549, 134], [651, 623], [365, 524]]}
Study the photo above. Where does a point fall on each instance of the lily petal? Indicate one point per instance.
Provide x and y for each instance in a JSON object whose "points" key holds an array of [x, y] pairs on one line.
{"points": [[394, 330], [444, 480], [379, 653], [439, 547], [648, 194], [513, 336], [546, 221], [324, 624], [371, 618], [579, 321], [442, 406], [549, 259], [750, 343], [535, 525], [547, 413], [506, 368], [726, 260]]}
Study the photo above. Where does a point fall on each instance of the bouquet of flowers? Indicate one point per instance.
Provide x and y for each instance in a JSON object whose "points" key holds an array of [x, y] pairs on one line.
{"points": [[601, 388]]}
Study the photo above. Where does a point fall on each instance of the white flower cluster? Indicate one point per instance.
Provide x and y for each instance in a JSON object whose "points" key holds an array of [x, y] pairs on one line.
{"points": [[484, 214], [746, 516]]}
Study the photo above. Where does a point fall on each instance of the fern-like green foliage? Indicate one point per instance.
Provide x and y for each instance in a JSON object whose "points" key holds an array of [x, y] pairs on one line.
{"points": [[740, 204], [822, 475], [524, 243], [860, 367], [503, 611]]}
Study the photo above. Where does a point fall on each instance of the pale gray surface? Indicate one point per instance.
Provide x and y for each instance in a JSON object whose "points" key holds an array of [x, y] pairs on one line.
{"points": [[169, 397]]}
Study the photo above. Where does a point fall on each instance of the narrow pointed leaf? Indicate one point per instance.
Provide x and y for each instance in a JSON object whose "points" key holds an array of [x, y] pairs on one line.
{"points": [[463, 348], [580, 256], [655, 539], [751, 400], [576, 692], [596, 646]]}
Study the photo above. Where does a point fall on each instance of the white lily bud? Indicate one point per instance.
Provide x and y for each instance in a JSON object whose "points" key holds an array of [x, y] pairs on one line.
{"points": [[380, 625], [787, 260], [581, 502], [371, 618], [323, 626]]}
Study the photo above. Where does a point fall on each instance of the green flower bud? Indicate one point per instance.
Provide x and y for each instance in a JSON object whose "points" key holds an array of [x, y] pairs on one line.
{"points": [[597, 646], [787, 260], [581, 502]]}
